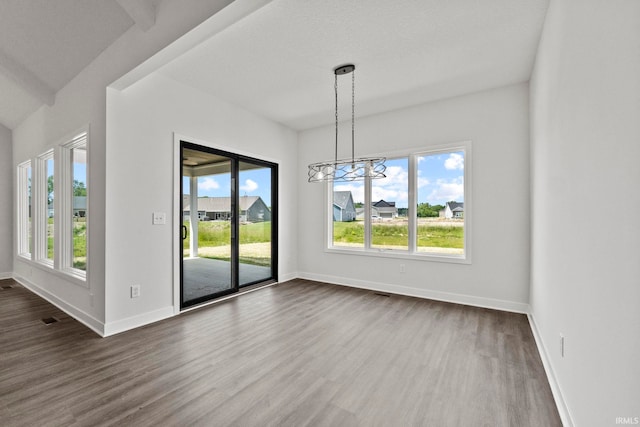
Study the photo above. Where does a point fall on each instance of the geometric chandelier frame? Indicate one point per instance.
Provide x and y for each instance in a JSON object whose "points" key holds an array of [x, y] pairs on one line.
{"points": [[353, 169]]}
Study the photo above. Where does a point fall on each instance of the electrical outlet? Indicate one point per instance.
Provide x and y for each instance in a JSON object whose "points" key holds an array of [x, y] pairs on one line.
{"points": [[403, 268], [561, 345], [135, 291]]}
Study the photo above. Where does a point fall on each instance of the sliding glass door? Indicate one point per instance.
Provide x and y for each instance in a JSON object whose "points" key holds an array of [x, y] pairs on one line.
{"points": [[229, 223]]}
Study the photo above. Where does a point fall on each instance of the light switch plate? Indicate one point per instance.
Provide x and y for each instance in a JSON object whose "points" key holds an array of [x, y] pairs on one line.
{"points": [[159, 218]]}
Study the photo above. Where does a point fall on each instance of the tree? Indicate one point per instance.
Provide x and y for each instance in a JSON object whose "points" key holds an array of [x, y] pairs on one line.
{"points": [[78, 188], [50, 190], [426, 210]]}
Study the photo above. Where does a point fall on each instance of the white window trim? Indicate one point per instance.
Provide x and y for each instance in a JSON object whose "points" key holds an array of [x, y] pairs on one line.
{"points": [[411, 253], [42, 209], [62, 265], [81, 139], [23, 240]]}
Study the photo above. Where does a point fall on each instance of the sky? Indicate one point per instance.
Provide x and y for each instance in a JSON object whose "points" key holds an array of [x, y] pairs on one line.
{"points": [[254, 182], [440, 180]]}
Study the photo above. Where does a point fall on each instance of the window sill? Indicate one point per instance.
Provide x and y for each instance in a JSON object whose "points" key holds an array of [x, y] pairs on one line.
{"points": [[389, 253], [70, 275]]}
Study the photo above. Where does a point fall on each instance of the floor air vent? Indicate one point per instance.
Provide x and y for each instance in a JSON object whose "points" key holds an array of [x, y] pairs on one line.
{"points": [[5, 287], [49, 320]]}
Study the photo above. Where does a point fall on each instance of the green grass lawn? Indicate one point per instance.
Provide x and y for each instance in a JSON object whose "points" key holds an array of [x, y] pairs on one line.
{"points": [[80, 245], [396, 235], [218, 233]]}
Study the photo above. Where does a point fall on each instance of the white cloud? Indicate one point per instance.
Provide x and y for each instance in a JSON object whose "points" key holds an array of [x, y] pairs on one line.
{"points": [[389, 195], [455, 161], [249, 186], [208, 184], [396, 176], [393, 188], [448, 190]]}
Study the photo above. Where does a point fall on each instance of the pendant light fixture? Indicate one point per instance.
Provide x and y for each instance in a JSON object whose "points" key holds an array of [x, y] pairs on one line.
{"points": [[353, 169]]}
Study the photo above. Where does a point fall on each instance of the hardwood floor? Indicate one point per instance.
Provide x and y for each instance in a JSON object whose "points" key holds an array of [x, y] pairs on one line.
{"points": [[295, 354]]}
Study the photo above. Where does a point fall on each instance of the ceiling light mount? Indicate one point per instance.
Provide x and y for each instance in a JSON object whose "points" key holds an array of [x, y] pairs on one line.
{"points": [[344, 69], [353, 169]]}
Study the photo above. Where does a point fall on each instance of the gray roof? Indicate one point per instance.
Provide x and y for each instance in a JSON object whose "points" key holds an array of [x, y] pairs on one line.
{"points": [[456, 206], [341, 198], [218, 204], [383, 204]]}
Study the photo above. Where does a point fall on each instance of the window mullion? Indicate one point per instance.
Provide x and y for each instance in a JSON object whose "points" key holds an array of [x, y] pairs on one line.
{"points": [[25, 196], [367, 212], [412, 204], [65, 206], [40, 210]]}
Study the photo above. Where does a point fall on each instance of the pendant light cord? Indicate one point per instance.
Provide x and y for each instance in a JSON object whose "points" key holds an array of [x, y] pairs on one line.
{"points": [[345, 169], [335, 86], [353, 114]]}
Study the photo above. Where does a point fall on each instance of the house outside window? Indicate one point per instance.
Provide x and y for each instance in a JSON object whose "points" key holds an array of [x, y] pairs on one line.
{"points": [[420, 210]]}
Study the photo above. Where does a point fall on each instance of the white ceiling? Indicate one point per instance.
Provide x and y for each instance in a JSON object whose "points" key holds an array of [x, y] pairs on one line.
{"points": [[45, 43], [279, 61]]}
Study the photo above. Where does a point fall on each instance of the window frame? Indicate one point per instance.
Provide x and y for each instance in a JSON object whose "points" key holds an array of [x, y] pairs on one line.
{"points": [[34, 250], [25, 210], [412, 252], [66, 205], [41, 245]]}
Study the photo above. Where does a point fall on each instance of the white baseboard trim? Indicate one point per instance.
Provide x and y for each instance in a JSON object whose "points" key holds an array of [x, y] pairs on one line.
{"points": [[73, 311], [515, 307], [563, 410], [286, 277], [122, 325], [6, 276]]}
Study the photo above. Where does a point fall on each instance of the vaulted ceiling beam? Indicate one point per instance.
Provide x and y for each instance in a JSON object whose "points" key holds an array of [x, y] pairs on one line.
{"points": [[142, 12], [25, 79]]}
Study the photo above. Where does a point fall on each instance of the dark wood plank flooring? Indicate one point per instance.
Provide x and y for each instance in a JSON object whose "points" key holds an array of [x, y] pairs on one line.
{"points": [[295, 354]]}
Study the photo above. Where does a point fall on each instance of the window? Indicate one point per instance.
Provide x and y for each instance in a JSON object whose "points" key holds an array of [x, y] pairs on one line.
{"points": [[389, 207], [25, 219], [45, 211], [75, 207], [53, 210], [347, 212], [440, 207], [421, 209]]}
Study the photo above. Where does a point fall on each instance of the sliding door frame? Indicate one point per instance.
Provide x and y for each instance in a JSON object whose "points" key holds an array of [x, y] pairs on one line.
{"points": [[236, 159]]}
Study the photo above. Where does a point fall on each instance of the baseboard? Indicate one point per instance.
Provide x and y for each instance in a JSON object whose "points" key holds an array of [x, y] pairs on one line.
{"points": [[515, 307], [73, 311], [112, 328], [6, 276], [286, 277], [563, 410]]}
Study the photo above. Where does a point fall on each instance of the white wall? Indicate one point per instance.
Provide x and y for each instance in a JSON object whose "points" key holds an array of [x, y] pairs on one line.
{"points": [[496, 122], [7, 173], [141, 122], [83, 102], [585, 133]]}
